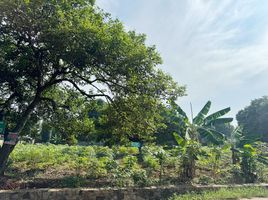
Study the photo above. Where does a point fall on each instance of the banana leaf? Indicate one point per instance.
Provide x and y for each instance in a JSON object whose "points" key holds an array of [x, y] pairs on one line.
{"points": [[262, 159], [217, 114], [181, 112], [211, 135], [202, 114], [219, 121], [181, 142]]}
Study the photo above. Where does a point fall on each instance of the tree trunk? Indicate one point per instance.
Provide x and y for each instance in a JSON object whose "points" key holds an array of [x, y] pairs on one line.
{"points": [[6, 149], [235, 158], [188, 169]]}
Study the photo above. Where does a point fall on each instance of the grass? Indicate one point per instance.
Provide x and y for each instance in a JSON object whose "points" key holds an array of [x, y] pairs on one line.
{"points": [[226, 193]]}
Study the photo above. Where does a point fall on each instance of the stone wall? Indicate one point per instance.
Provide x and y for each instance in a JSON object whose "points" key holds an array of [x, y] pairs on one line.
{"points": [[148, 193]]}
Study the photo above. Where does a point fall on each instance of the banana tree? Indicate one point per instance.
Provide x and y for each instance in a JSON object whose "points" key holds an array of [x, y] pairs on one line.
{"points": [[193, 133], [237, 141], [245, 153], [250, 155]]}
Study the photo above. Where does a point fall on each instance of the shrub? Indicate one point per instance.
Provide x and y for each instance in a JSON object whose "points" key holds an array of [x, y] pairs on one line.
{"points": [[140, 178]]}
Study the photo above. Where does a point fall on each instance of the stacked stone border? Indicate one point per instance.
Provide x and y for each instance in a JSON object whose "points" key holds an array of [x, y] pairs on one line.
{"points": [[146, 193]]}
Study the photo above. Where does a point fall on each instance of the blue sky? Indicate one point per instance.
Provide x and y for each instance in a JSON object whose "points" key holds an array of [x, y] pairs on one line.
{"points": [[217, 48]]}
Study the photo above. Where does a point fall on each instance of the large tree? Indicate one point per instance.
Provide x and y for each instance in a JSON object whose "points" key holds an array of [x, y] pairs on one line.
{"points": [[67, 119], [47, 43], [254, 119]]}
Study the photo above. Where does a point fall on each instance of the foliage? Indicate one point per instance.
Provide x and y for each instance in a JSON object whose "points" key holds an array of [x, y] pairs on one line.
{"points": [[228, 193], [254, 119], [249, 157], [248, 163], [226, 128], [131, 120], [74, 45], [202, 127], [214, 161], [69, 120], [192, 134], [97, 166], [170, 124], [246, 152]]}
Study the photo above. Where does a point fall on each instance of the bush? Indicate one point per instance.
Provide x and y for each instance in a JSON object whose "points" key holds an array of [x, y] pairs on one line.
{"points": [[140, 178], [121, 151], [119, 166]]}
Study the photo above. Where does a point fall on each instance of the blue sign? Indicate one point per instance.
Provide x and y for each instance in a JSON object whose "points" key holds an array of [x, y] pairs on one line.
{"points": [[136, 144]]}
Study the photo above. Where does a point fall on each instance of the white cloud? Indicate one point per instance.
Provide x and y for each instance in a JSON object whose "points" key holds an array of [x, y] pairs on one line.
{"points": [[218, 48]]}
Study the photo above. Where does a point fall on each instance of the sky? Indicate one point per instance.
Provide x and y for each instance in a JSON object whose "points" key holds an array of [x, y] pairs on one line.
{"points": [[217, 48]]}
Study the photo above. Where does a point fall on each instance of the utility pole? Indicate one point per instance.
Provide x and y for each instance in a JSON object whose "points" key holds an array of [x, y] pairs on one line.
{"points": [[192, 116]]}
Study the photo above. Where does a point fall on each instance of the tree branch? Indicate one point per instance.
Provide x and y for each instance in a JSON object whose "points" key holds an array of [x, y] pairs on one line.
{"points": [[80, 90], [53, 103], [86, 94], [103, 80], [8, 101]]}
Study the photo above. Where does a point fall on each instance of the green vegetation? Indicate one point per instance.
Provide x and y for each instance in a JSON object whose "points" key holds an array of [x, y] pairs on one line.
{"points": [[79, 90], [192, 135], [253, 119], [95, 166], [224, 194], [51, 46]]}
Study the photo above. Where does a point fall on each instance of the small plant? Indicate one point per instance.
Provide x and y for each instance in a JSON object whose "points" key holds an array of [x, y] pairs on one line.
{"points": [[80, 164], [121, 151], [248, 163], [122, 174], [140, 178], [96, 168], [162, 157], [104, 152], [247, 154]]}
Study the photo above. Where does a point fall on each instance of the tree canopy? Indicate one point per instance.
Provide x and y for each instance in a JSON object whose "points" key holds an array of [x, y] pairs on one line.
{"points": [[254, 119], [73, 44], [47, 43]]}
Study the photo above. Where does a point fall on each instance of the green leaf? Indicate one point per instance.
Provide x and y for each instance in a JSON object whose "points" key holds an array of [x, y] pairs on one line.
{"points": [[211, 135], [179, 139], [201, 115], [262, 160], [181, 112], [226, 147], [187, 136], [217, 114], [218, 134], [219, 121], [249, 149]]}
